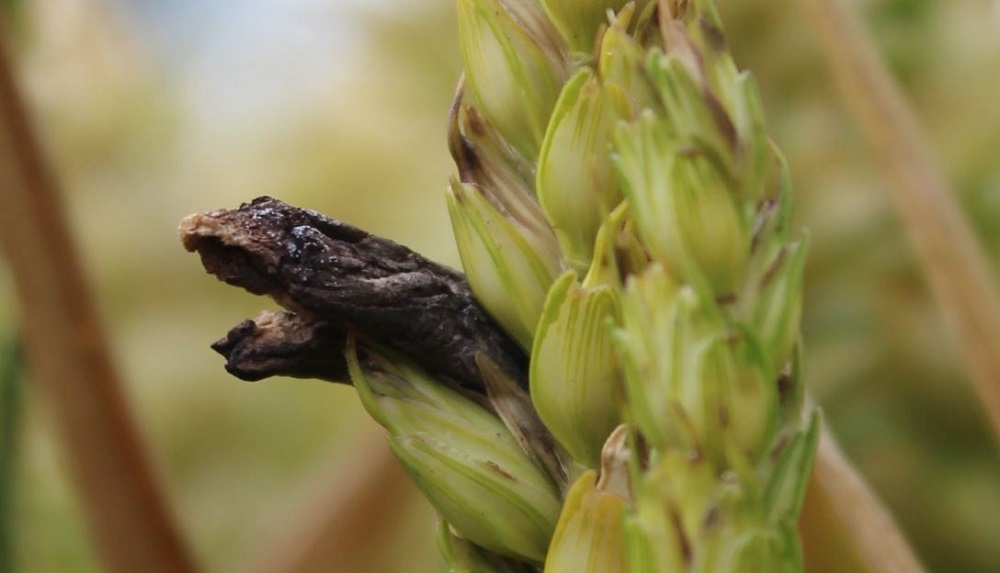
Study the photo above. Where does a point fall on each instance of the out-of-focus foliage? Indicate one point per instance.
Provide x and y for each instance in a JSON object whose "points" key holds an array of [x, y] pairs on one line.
{"points": [[240, 462], [11, 11], [10, 426], [135, 154]]}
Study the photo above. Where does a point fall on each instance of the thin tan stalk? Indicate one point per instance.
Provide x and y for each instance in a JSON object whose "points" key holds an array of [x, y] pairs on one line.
{"points": [[352, 523], [949, 253], [844, 527], [68, 358]]}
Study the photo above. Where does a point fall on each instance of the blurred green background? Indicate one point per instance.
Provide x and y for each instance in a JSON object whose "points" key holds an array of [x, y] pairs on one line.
{"points": [[153, 110]]}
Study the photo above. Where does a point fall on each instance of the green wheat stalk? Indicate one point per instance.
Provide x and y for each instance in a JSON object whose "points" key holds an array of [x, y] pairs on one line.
{"points": [[621, 213]]}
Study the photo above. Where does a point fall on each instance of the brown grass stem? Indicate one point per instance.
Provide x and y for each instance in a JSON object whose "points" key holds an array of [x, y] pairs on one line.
{"points": [[951, 257], [68, 359], [844, 526]]}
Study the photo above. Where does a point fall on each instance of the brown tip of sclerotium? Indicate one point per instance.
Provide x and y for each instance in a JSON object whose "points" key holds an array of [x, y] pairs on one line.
{"points": [[194, 229], [188, 230]]}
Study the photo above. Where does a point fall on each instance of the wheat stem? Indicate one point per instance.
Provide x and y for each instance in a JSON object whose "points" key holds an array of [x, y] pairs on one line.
{"points": [[68, 359]]}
